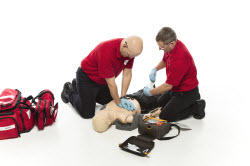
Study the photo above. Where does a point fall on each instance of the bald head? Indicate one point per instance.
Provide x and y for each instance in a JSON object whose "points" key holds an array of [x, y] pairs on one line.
{"points": [[131, 46]]}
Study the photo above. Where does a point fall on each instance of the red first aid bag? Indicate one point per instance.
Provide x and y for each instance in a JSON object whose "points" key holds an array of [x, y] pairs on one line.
{"points": [[19, 115], [16, 114], [45, 110]]}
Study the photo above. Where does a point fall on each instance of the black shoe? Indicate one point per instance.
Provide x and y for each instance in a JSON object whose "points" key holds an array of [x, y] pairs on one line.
{"points": [[200, 114], [74, 84], [65, 93]]}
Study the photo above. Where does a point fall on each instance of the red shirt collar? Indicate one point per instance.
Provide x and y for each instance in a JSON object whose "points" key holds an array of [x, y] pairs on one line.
{"points": [[174, 50]]}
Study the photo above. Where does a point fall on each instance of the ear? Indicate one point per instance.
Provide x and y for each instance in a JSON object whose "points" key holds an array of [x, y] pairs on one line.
{"points": [[124, 45], [172, 43]]}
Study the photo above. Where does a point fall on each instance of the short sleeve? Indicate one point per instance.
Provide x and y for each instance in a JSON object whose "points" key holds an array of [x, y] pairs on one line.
{"points": [[130, 64], [105, 64]]}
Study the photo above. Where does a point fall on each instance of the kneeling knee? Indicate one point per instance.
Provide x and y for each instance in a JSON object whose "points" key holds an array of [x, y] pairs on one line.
{"points": [[168, 117], [86, 116]]}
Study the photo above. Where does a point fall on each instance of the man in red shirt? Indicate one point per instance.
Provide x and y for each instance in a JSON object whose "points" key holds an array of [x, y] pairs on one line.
{"points": [[180, 94], [95, 79]]}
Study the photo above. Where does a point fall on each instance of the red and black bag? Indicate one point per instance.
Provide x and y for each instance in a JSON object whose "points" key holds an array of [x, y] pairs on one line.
{"points": [[26, 115], [9, 127], [9, 99], [16, 114], [45, 110]]}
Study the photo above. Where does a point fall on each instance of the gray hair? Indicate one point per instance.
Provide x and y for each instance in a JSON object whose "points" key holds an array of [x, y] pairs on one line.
{"points": [[166, 35]]}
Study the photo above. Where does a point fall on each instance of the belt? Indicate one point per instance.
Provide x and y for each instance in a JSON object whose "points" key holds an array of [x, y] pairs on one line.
{"points": [[182, 93]]}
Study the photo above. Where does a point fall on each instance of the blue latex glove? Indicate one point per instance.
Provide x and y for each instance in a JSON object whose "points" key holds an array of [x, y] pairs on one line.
{"points": [[146, 90], [152, 75], [128, 105]]}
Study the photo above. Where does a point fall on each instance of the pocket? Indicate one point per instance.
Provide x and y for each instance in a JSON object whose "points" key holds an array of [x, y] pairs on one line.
{"points": [[8, 126], [9, 99], [51, 112], [40, 114], [27, 119]]}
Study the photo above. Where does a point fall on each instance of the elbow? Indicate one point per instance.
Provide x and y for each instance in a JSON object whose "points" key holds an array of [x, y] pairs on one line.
{"points": [[168, 87]]}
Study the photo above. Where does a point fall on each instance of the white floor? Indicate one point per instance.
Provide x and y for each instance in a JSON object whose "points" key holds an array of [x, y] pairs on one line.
{"points": [[43, 43]]}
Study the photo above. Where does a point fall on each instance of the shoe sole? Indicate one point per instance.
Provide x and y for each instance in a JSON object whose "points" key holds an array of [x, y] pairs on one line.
{"points": [[62, 96], [203, 109]]}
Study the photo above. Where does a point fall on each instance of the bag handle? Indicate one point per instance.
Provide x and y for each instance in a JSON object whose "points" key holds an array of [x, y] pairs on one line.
{"points": [[168, 138], [25, 105]]}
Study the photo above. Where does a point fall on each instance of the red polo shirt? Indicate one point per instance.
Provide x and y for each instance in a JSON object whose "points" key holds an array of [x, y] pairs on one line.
{"points": [[180, 68], [105, 61]]}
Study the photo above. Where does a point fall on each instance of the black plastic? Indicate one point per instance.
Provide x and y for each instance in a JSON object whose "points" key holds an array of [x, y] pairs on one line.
{"points": [[137, 146]]}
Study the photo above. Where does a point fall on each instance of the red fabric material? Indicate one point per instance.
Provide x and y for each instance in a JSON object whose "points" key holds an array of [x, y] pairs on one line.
{"points": [[23, 116], [9, 127], [180, 68], [105, 61], [17, 114], [46, 111], [28, 116], [40, 119], [9, 99]]}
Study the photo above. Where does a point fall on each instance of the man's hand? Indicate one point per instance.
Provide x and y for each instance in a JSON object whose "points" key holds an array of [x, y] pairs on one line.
{"points": [[128, 105], [146, 90], [152, 75]]}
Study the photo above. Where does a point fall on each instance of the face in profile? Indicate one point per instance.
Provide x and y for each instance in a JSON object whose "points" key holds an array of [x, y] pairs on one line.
{"points": [[165, 47]]}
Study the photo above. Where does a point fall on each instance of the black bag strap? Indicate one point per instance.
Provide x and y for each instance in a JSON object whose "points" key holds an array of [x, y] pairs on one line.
{"points": [[44, 92], [147, 138], [168, 138], [24, 105]]}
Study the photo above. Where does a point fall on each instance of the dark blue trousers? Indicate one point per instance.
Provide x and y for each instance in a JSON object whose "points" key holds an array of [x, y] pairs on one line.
{"points": [[88, 94], [178, 105]]}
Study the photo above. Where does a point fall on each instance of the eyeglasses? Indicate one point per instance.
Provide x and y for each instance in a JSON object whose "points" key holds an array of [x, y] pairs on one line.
{"points": [[128, 55], [126, 44], [163, 48]]}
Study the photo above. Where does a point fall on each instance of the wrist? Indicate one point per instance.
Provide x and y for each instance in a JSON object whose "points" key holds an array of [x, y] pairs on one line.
{"points": [[150, 92], [122, 96], [117, 102], [155, 69]]}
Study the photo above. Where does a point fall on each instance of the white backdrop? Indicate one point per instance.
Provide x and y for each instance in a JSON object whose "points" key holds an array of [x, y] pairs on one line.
{"points": [[43, 42]]}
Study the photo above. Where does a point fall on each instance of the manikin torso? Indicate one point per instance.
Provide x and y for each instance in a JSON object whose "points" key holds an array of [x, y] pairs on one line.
{"points": [[104, 118]]}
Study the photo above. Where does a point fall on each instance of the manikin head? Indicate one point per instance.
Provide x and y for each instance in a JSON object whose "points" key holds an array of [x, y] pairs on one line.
{"points": [[166, 39], [131, 47]]}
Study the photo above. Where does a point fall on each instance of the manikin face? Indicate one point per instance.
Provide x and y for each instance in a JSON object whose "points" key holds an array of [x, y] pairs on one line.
{"points": [[166, 47]]}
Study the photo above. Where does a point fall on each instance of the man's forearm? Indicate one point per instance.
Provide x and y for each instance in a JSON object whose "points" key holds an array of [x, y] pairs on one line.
{"points": [[161, 89], [126, 79], [113, 90], [161, 65]]}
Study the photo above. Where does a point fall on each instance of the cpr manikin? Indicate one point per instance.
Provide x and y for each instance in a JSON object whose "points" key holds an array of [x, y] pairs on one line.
{"points": [[106, 117]]}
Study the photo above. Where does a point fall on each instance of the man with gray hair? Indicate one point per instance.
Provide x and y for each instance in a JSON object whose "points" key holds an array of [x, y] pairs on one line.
{"points": [[180, 94], [95, 79]]}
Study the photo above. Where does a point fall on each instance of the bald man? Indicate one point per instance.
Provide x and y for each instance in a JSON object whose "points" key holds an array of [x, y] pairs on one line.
{"points": [[95, 79]]}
